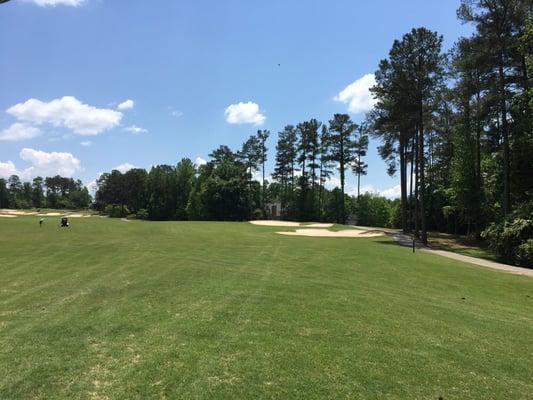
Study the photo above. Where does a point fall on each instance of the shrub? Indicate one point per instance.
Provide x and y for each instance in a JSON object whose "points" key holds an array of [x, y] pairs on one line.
{"points": [[511, 240], [374, 210], [524, 254], [116, 211], [142, 214]]}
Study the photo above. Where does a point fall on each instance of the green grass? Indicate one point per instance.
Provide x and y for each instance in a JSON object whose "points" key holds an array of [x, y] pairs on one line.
{"points": [[135, 310]]}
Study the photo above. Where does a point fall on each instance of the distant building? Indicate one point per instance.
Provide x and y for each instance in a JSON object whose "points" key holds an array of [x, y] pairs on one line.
{"points": [[274, 210]]}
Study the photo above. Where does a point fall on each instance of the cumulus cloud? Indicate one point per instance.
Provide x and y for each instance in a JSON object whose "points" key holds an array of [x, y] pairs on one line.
{"points": [[124, 167], [200, 161], [42, 164], [7, 169], [244, 113], [136, 130], [20, 131], [357, 95], [67, 112], [126, 105], [53, 3], [332, 183], [392, 193], [352, 190], [47, 164], [92, 186]]}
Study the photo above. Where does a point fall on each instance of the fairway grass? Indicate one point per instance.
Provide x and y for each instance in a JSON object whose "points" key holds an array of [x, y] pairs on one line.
{"points": [[199, 310]]}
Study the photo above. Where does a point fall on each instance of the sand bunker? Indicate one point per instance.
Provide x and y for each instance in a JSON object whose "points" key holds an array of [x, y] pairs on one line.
{"points": [[7, 216], [275, 223], [317, 226], [77, 216], [16, 212], [349, 233]]}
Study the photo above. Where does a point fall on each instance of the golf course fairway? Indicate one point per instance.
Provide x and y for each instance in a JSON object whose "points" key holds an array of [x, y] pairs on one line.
{"points": [[108, 309]]}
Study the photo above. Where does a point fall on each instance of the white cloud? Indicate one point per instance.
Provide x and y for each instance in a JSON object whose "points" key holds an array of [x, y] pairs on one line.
{"points": [[357, 95], [176, 113], [200, 161], [124, 167], [86, 143], [257, 175], [126, 105], [42, 164], [53, 3], [244, 113], [352, 191], [7, 169], [332, 183], [20, 131], [392, 193], [47, 164], [368, 189], [92, 186], [67, 112], [136, 130]]}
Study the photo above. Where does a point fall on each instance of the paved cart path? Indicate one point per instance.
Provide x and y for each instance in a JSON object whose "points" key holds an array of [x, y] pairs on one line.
{"points": [[406, 240]]}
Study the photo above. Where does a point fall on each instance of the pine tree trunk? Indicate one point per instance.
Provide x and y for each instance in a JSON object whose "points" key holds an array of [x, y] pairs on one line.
{"points": [[505, 137], [403, 186], [263, 184], [341, 168], [416, 205], [411, 200], [422, 189], [358, 176]]}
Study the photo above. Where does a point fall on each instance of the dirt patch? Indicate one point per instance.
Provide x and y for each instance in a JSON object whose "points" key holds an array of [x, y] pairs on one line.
{"points": [[349, 233], [275, 223]]}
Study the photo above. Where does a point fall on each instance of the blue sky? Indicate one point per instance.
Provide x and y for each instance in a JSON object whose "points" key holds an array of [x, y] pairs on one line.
{"points": [[68, 67]]}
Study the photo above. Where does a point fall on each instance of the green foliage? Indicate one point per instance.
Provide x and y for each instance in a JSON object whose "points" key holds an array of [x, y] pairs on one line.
{"points": [[116, 211], [185, 178], [524, 254], [374, 210], [511, 240], [142, 214]]}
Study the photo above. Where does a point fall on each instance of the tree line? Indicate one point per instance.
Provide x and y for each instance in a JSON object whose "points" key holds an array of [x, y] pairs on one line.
{"points": [[233, 184], [50, 192], [457, 127]]}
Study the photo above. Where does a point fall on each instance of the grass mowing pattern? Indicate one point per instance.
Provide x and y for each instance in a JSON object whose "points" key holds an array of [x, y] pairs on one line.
{"points": [[117, 310]]}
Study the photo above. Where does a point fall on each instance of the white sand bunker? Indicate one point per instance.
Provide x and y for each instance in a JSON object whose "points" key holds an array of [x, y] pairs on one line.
{"points": [[317, 225], [77, 216], [275, 223], [7, 216], [16, 212], [348, 233]]}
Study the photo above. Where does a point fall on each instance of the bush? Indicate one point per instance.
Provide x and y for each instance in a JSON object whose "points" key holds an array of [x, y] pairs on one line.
{"points": [[511, 240], [142, 214], [524, 254], [116, 211], [374, 210]]}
